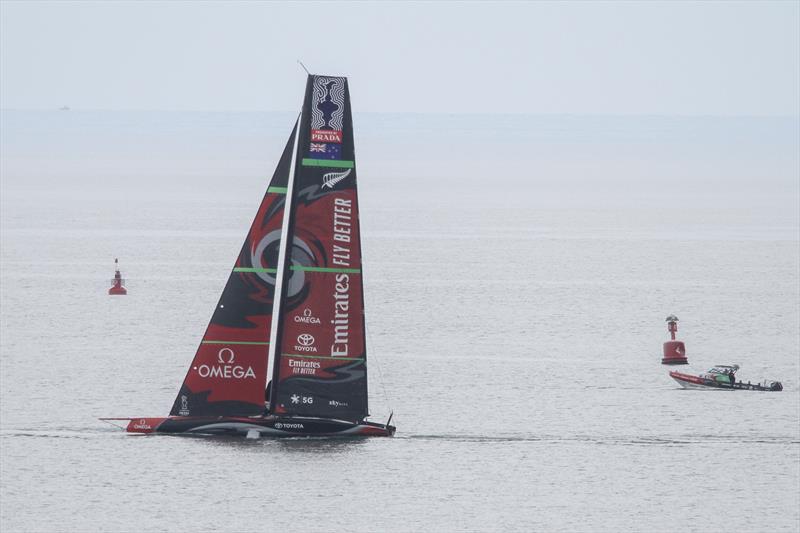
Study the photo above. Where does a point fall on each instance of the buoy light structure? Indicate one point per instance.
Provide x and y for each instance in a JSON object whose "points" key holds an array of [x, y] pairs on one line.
{"points": [[117, 289], [674, 351]]}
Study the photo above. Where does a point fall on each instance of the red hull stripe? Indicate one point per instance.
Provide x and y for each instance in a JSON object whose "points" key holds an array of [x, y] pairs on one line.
{"points": [[687, 377]]}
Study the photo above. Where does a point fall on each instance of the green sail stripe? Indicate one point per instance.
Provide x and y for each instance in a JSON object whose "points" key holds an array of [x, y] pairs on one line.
{"points": [[332, 163], [323, 357], [252, 269], [278, 190], [326, 269], [258, 343]]}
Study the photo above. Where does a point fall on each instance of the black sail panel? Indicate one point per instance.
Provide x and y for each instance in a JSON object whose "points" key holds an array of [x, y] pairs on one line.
{"points": [[320, 367], [229, 371]]}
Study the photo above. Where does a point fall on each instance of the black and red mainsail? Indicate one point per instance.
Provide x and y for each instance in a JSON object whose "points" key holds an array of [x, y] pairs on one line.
{"points": [[320, 353], [293, 307], [229, 371]]}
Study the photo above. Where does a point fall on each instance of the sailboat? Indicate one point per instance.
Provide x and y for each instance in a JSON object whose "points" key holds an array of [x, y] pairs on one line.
{"points": [[285, 351]]}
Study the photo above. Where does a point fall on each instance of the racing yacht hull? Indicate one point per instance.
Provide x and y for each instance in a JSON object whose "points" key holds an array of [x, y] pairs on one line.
{"points": [[263, 426]]}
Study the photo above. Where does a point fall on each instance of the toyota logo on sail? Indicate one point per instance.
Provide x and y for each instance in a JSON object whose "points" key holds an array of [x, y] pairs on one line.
{"points": [[305, 343], [306, 339]]}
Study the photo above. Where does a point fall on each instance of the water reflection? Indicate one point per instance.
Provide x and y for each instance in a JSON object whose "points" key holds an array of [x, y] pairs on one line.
{"points": [[296, 445]]}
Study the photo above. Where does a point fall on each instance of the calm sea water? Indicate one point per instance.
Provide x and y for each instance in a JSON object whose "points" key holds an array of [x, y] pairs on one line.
{"points": [[518, 271]]}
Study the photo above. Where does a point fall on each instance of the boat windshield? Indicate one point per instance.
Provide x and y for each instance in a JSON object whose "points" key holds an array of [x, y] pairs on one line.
{"points": [[723, 369]]}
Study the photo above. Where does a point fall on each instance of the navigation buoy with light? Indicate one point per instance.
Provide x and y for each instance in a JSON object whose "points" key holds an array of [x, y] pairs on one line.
{"points": [[674, 351], [118, 289]]}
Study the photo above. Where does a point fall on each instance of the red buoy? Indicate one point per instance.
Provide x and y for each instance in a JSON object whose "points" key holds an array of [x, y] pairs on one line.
{"points": [[674, 351], [117, 289]]}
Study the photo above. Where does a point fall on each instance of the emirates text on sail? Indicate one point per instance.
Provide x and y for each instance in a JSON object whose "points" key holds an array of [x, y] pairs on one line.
{"points": [[341, 256], [304, 367]]}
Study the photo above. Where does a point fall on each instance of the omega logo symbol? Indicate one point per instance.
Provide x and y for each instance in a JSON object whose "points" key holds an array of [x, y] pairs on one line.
{"points": [[225, 368], [307, 317], [221, 357]]}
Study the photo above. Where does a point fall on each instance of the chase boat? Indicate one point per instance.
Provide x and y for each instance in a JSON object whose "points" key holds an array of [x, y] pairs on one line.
{"points": [[722, 377]]}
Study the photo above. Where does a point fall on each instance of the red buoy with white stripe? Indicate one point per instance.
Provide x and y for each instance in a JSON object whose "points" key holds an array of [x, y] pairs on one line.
{"points": [[117, 289], [674, 351]]}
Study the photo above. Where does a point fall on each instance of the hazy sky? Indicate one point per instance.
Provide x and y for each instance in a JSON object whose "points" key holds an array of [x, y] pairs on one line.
{"points": [[737, 58]]}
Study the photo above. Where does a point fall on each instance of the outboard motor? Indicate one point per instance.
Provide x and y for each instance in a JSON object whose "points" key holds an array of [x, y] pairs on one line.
{"points": [[674, 351]]}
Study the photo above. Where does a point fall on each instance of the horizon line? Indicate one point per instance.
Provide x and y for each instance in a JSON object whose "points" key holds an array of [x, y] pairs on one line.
{"points": [[442, 113]]}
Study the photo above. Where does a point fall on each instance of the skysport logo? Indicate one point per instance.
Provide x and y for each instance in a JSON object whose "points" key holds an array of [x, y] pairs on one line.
{"points": [[226, 367]]}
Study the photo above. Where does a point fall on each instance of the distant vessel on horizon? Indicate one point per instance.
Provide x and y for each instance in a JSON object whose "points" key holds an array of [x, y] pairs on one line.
{"points": [[64, 108]]}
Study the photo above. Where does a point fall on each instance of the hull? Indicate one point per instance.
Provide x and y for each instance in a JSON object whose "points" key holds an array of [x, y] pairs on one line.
{"points": [[261, 426], [688, 381]]}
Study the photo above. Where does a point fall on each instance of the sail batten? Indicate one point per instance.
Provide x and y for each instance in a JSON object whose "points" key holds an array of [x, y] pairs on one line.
{"points": [[252, 269], [304, 268], [328, 163], [265, 343], [338, 358]]}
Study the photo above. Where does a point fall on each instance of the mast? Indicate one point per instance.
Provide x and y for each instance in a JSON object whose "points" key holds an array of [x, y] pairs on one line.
{"points": [[286, 250], [283, 257]]}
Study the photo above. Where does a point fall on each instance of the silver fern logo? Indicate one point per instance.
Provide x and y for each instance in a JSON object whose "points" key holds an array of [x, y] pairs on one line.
{"points": [[332, 178]]}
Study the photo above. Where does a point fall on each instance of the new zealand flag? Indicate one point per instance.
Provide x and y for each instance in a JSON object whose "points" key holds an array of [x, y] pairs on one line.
{"points": [[325, 151]]}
